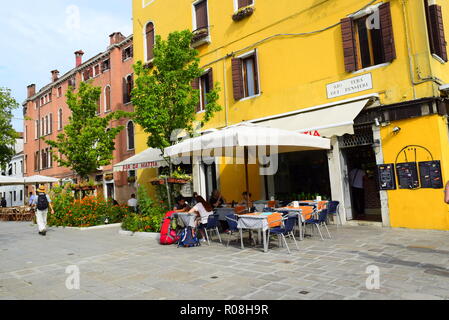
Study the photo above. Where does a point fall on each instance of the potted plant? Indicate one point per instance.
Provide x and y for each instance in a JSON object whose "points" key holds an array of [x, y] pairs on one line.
{"points": [[242, 13], [200, 34]]}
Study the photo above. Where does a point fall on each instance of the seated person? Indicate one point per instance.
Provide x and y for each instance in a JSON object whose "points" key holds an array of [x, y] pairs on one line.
{"points": [[203, 210], [181, 205], [247, 201], [216, 199]]}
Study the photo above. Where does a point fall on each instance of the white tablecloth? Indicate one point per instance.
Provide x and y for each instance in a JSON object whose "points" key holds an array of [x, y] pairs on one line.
{"points": [[223, 212], [253, 222], [188, 219]]}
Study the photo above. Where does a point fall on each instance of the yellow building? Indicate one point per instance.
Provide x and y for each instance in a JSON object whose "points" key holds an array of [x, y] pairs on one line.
{"points": [[369, 75]]}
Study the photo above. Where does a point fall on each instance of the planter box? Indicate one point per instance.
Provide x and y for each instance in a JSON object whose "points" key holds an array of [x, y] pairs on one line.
{"points": [[243, 13], [158, 182], [144, 235], [106, 226]]}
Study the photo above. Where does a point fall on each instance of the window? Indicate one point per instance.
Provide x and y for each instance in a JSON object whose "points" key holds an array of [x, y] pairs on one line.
{"points": [[127, 53], [50, 121], [205, 84], [435, 30], [97, 70], [36, 161], [60, 119], [201, 18], [87, 74], [44, 159], [368, 46], [36, 129], [59, 92], [130, 133], [15, 196], [106, 65], [244, 3], [49, 158], [245, 76], [47, 126], [42, 127], [128, 85], [149, 40], [107, 98], [72, 83], [21, 195]]}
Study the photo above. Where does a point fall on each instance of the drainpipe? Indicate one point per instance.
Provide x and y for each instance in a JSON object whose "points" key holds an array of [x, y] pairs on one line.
{"points": [[410, 57]]}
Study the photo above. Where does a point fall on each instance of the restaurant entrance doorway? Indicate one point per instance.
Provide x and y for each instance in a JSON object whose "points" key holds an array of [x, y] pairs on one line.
{"points": [[302, 176], [362, 179]]}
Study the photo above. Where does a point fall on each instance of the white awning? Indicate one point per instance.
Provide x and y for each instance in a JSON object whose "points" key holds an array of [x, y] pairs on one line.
{"points": [[150, 158], [328, 121], [27, 180], [6, 181]]}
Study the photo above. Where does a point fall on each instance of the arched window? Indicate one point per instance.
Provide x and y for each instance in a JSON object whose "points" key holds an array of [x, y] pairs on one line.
{"points": [[60, 119], [130, 132], [128, 84], [149, 38], [107, 98]]}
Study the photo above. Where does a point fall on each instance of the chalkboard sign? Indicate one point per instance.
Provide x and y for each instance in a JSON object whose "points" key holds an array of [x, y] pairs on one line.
{"points": [[387, 178], [407, 175], [430, 174]]}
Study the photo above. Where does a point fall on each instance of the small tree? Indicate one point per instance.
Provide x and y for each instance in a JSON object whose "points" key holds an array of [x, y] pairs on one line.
{"points": [[8, 135], [88, 141], [164, 99]]}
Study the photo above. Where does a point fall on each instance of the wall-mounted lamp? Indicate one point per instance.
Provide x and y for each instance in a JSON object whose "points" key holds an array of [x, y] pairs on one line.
{"points": [[396, 130], [377, 122]]}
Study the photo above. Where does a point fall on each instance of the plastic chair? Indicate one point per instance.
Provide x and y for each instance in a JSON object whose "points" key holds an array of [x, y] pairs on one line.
{"points": [[333, 208], [321, 221], [233, 228], [212, 225], [286, 230]]}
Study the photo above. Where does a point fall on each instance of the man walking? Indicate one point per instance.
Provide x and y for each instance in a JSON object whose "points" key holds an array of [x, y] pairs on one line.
{"points": [[42, 204], [32, 200]]}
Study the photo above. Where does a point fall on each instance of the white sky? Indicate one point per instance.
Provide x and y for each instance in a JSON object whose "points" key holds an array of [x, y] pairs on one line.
{"points": [[40, 36]]}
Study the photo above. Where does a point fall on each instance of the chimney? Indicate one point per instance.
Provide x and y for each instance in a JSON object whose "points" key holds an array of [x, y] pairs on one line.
{"points": [[31, 90], [79, 57], [116, 37], [55, 75]]}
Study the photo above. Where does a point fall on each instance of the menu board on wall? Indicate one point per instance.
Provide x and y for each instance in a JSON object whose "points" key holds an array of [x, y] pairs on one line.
{"points": [[407, 175], [430, 174], [387, 178]]}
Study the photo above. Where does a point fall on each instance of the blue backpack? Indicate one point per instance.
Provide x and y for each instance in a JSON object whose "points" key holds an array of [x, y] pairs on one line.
{"points": [[188, 238]]}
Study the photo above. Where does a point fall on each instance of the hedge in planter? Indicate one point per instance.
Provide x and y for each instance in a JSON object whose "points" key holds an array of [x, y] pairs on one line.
{"points": [[88, 212]]}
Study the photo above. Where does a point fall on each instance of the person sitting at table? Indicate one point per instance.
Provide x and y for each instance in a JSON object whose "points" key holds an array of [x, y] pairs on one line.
{"points": [[203, 210], [247, 201], [181, 205], [216, 199]]}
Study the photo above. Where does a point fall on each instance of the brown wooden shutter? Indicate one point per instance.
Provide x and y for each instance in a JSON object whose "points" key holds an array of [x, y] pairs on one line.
{"points": [[386, 25], [237, 78], [256, 73], [437, 29], [201, 15], [245, 3], [51, 123], [349, 45], [125, 91], [196, 86], [210, 75], [150, 41]]}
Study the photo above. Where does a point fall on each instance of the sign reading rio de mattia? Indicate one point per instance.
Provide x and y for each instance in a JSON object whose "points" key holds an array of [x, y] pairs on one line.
{"points": [[348, 86]]}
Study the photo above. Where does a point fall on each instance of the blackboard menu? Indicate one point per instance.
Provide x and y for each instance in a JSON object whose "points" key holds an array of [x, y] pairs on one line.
{"points": [[430, 174], [387, 178], [407, 175]]}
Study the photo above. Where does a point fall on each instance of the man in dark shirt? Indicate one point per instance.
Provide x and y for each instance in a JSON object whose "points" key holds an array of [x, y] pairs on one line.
{"points": [[181, 205]]}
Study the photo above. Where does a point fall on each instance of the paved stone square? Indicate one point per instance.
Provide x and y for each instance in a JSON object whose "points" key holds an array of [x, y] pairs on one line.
{"points": [[413, 264]]}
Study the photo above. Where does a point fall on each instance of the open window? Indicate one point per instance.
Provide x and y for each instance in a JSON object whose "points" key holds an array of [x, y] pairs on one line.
{"points": [[107, 98], [127, 53], [128, 84], [366, 43], [245, 76], [130, 135], [204, 84]]}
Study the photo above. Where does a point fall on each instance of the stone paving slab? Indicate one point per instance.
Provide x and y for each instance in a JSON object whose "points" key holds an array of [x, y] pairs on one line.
{"points": [[413, 264]]}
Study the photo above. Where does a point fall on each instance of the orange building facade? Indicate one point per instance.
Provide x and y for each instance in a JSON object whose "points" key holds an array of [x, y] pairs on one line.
{"points": [[46, 113]]}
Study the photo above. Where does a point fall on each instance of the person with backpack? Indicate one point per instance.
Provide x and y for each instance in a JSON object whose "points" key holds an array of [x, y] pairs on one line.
{"points": [[43, 203]]}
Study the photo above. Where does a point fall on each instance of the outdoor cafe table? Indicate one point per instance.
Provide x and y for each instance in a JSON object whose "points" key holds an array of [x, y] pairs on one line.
{"points": [[255, 221], [223, 212], [298, 212]]}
